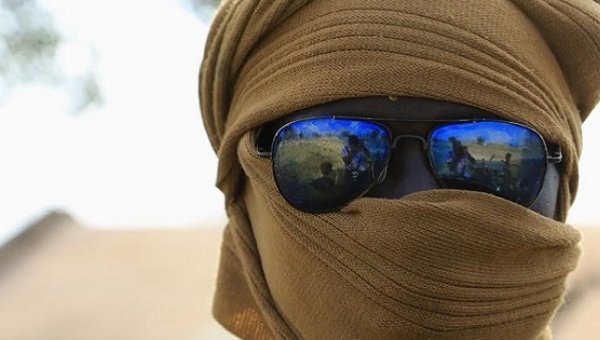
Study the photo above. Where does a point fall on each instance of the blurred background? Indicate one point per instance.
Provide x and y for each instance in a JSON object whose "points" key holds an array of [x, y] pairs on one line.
{"points": [[111, 223], [99, 112]]}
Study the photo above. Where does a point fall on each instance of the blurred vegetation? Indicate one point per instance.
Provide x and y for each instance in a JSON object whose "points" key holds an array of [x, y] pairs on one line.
{"points": [[203, 8], [31, 43], [28, 52], [200, 4]]}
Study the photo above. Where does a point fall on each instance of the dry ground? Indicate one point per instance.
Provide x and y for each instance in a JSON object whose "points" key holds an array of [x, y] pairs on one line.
{"points": [[60, 282]]}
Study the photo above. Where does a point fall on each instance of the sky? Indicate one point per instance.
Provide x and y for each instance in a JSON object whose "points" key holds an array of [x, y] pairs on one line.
{"points": [[142, 159]]}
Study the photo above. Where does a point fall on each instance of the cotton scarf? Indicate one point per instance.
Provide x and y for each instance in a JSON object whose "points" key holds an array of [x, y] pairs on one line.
{"points": [[439, 264]]}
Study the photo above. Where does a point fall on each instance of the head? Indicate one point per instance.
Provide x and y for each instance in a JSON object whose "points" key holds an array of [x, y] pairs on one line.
{"points": [[326, 168], [407, 257], [353, 141]]}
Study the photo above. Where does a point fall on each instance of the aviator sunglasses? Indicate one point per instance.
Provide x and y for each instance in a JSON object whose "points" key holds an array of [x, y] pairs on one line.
{"points": [[322, 164]]}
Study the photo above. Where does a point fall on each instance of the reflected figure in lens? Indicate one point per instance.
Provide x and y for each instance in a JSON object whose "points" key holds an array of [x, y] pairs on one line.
{"points": [[324, 183], [482, 171], [506, 173], [459, 159], [356, 159], [506, 162], [466, 159]]}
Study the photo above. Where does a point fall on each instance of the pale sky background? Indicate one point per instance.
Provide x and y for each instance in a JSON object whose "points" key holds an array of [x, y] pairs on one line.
{"points": [[143, 159]]}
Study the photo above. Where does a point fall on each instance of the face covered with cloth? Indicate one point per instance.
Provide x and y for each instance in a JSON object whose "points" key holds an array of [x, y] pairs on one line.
{"points": [[444, 263]]}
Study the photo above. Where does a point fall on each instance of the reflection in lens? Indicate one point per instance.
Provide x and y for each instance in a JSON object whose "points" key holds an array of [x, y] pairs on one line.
{"points": [[322, 164], [501, 158]]}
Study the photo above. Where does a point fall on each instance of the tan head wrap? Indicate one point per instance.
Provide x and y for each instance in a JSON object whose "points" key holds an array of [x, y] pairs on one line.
{"points": [[440, 264]]}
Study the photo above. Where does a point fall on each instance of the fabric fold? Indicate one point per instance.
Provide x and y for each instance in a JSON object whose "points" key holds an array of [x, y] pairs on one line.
{"points": [[438, 264]]}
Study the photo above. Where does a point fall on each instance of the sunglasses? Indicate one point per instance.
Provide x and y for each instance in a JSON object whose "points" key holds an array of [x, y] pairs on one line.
{"points": [[321, 164]]}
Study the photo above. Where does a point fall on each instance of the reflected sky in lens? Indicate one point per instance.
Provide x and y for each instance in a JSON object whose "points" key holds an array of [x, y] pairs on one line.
{"points": [[332, 126], [490, 132]]}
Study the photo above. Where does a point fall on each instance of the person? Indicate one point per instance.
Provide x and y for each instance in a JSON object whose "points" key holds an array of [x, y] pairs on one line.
{"points": [[325, 182], [460, 158], [506, 173], [356, 160], [413, 256]]}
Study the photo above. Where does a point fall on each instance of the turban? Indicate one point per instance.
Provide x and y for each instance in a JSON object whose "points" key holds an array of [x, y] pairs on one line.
{"points": [[440, 264]]}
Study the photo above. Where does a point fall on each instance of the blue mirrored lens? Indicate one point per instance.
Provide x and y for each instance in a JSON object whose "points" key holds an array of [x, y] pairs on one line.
{"points": [[505, 159], [322, 164]]}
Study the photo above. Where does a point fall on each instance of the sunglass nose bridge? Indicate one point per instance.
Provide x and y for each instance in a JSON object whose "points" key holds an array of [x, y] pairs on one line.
{"points": [[399, 137]]}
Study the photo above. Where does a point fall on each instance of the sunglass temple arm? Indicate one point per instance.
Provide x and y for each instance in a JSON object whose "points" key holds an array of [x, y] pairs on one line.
{"points": [[555, 156]]}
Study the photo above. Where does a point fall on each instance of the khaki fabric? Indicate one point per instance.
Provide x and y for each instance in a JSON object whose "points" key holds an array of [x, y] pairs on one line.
{"points": [[441, 264]]}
